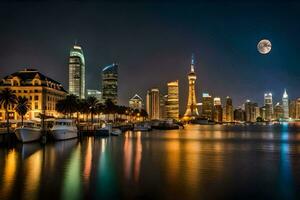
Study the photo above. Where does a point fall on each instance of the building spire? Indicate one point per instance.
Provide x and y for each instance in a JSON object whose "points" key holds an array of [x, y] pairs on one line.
{"points": [[285, 95], [192, 63]]}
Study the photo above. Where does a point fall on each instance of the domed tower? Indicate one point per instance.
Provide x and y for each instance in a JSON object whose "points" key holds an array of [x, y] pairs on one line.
{"points": [[191, 110]]}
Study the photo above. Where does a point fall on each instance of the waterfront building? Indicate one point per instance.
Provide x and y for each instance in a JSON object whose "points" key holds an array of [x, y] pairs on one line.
{"points": [[239, 115], [278, 111], [218, 110], [41, 91], [172, 105], [153, 103], [110, 83], [292, 109], [94, 93], [207, 106], [228, 110], [251, 113], [163, 106], [136, 102], [77, 72], [269, 106], [285, 105], [262, 112], [298, 109], [191, 110]]}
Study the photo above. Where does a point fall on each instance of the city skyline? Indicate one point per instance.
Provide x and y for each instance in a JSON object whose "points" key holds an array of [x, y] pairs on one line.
{"points": [[226, 65]]}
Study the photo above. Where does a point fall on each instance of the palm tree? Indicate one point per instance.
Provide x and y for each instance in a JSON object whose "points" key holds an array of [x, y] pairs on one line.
{"points": [[93, 104], [7, 98], [83, 107], [22, 107], [110, 108], [67, 106]]}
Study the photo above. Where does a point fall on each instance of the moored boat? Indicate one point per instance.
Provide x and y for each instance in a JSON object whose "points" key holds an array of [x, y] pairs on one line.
{"points": [[64, 129], [28, 132], [142, 127]]}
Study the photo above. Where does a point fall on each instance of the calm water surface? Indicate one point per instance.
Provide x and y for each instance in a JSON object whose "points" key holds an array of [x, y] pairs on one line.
{"points": [[207, 162]]}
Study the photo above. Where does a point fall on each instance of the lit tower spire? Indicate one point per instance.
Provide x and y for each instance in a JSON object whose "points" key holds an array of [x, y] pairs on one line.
{"points": [[285, 104], [191, 110]]}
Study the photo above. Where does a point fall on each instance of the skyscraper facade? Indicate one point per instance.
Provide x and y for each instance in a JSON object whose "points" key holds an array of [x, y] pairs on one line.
{"points": [[77, 72], [207, 106], [153, 103], [94, 93], [285, 105], [172, 107], [191, 110], [228, 110], [110, 83], [251, 111], [269, 106], [298, 109], [278, 111], [218, 111]]}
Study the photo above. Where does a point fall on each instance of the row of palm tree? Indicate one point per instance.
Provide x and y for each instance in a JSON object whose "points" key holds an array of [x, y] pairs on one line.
{"points": [[19, 104], [92, 106]]}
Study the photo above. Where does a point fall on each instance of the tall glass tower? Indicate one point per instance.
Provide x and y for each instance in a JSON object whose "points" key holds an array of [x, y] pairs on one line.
{"points": [[191, 110], [77, 72], [285, 105], [110, 83], [269, 106]]}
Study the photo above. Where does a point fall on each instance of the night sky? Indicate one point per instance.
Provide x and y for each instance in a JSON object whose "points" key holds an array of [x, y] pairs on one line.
{"points": [[153, 43]]}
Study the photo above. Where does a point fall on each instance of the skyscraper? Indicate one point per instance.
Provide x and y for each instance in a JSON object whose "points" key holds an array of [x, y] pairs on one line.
{"points": [[278, 111], [136, 102], [269, 106], [207, 106], [153, 103], [191, 110], [94, 93], [77, 72], [251, 111], [110, 83], [228, 110], [285, 105], [298, 109], [218, 111], [173, 101]]}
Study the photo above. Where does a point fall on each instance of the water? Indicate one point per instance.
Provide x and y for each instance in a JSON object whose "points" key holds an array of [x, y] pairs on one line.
{"points": [[199, 162]]}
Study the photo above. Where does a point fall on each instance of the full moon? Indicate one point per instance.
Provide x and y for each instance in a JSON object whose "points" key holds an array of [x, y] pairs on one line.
{"points": [[264, 46]]}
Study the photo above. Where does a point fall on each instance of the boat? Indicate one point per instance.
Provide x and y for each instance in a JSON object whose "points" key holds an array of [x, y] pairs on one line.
{"points": [[116, 132], [28, 132], [64, 129], [142, 127], [104, 131]]}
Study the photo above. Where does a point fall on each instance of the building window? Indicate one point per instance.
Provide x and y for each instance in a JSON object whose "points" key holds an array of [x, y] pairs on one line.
{"points": [[36, 105], [36, 98]]}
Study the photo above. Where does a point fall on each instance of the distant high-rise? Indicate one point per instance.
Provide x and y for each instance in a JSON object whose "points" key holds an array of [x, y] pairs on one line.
{"points": [[191, 110], [207, 106], [218, 111], [228, 110], [110, 83], [239, 115], [172, 106], [278, 111], [136, 102], [292, 109], [162, 106], [152, 103], [269, 106], [298, 109], [251, 111], [94, 93], [285, 105], [77, 72]]}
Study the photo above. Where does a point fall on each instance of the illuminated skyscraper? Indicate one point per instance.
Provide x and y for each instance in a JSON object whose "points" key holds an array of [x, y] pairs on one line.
{"points": [[77, 72], [207, 106], [278, 111], [285, 105], [251, 111], [173, 101], [110, 83], [298, 109], [94, 93], [228, 110], [191, 110], [153, 103], [269, 106], [218, 111]]}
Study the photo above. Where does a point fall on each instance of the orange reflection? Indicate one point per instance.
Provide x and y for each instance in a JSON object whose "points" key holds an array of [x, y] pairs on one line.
{"points": [[127, 156], [9, 172], [32, 169], [138, 157], [88, 161]]}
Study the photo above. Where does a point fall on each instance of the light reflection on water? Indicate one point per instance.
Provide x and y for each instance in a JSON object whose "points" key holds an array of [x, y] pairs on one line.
{"points": [[210, 162]]}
